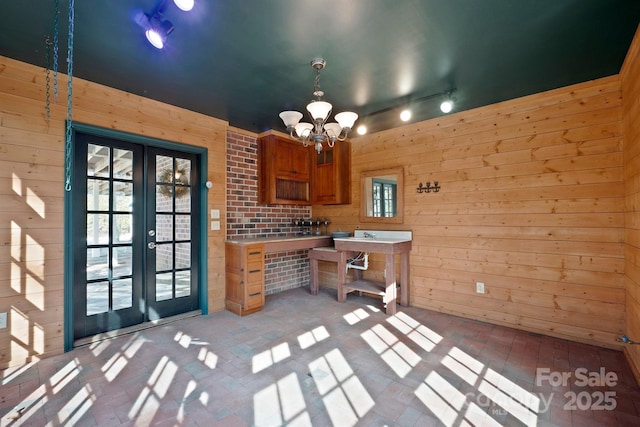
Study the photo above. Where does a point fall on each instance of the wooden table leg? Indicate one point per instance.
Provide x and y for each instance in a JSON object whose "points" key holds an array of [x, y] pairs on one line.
{"points": [[404, 278], [390, 283], [313, 269], [342, 276]]}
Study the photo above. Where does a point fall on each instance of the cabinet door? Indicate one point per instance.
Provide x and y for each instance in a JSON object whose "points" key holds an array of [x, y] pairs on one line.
{"points": [[324, 174], [331, 175], [284, 171], [292, 161]]}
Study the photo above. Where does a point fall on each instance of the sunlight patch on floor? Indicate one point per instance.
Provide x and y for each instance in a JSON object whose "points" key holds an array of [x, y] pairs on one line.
{"points": [[270, 357], [355, 316], [417, 332], [312, 337], [397, 355], [281, 403], [344, 396]]}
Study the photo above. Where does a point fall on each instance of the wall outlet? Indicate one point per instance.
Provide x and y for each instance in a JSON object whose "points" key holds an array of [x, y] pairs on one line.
{"points": [[480, 287], [3, 320]]}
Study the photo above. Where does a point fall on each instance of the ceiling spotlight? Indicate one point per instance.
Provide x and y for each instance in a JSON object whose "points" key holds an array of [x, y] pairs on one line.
{"points": [[362, 130], [156, 28], [157, 31], [185, 5], [405, 115]]}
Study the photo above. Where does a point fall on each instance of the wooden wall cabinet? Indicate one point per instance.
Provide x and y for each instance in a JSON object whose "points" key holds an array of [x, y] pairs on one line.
{"points": [[244, 269], [284, 171], [331, 175]]}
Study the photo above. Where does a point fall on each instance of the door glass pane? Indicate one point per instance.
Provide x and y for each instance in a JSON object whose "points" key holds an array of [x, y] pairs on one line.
{"points": [[164, 169], [182, 177], [97, 229], [164, 256], [164, 198], [183, 199], [183, 283], [164, 228], [97, 263], [164, 286], [97, 298], [122, 293], [122, 261], [183, 171], [97, 195], [123, 196], [122, 164], [122, 227], [98, 160], [183, 255], [183, 227]]}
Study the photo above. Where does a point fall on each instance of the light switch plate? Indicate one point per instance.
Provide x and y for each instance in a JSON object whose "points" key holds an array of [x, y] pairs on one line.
{"points": [[3, 320], [215, 225], [215, 213]]}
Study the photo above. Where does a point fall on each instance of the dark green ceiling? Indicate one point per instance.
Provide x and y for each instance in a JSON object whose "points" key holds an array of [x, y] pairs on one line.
{"points": [[246, 60]]}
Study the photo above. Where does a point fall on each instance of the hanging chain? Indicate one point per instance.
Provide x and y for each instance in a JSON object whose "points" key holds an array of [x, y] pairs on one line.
{"points": [[47, 43], [56, 14], [69, 135]]}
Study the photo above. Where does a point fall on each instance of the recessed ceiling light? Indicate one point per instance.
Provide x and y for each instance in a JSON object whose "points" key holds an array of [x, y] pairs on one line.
{"points": [[405, 115], [446, 106], [362, 129]]}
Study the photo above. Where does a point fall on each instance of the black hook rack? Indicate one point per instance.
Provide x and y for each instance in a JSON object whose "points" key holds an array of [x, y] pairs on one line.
{"points": [[428, 188]]}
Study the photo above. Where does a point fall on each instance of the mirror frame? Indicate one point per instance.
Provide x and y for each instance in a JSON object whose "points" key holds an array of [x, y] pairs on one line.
{"points": [[367, 175]]}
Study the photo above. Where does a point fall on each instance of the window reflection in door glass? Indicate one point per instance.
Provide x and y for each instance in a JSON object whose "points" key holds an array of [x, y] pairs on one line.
{"points": [[122, 164], [183, 283], [164, 286], [122, 293], [97, 298]]}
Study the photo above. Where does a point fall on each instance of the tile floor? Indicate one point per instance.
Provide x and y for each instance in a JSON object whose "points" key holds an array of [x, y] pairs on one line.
{"points": [[309, 361]]}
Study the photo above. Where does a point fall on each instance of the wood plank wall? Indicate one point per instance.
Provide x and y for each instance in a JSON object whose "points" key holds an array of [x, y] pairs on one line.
{"points": [[32, 194], [532, 204], [630, 82]]}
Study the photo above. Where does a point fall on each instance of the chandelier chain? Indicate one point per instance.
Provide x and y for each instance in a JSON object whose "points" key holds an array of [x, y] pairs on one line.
{"points": [[316, 85], [69, 134]]}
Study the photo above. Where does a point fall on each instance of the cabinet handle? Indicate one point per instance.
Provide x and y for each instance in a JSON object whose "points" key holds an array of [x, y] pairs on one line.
{"points": [[255, 294], [255, 271], [254, 253]]}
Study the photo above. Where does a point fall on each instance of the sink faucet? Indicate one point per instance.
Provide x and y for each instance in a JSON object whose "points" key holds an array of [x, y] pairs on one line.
{"points": [[368, 235]]}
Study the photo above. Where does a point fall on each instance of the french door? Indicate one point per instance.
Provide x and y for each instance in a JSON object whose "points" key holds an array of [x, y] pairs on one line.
{"points": [[135, 234]]}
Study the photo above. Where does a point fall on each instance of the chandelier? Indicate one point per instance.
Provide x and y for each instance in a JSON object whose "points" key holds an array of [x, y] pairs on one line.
{"points": [[319, 131]]}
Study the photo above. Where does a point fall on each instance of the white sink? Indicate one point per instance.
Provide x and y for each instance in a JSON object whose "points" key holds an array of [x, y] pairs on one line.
{"points": [[378, 236]]}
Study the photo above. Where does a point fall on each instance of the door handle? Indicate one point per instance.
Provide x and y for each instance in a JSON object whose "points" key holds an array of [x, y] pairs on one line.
{"points": [[151, 245]]}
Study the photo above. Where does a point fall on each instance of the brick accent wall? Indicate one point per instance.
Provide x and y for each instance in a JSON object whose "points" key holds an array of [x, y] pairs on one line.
{"points": [[247, 219]]}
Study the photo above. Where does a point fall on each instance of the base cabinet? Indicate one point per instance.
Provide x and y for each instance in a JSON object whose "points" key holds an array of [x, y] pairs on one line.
{"points": [[244, 269]]}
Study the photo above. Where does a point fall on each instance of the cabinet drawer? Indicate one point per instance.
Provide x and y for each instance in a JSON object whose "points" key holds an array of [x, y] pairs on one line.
{"points": [[254, 276], [255, 295], [255, 255]]}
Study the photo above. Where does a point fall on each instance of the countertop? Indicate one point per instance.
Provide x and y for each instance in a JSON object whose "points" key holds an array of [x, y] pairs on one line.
{"points": [[282, 243]]}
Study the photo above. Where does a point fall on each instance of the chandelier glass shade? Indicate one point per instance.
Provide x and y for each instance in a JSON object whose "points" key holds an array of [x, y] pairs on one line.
{"points": [[319, 131]]}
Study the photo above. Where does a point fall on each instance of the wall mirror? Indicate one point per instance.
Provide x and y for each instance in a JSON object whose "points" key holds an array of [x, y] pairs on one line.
{"points": [[382, 196]]}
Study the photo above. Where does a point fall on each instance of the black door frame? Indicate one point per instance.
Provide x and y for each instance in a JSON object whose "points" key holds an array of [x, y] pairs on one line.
{"points": [[202, 159]]}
